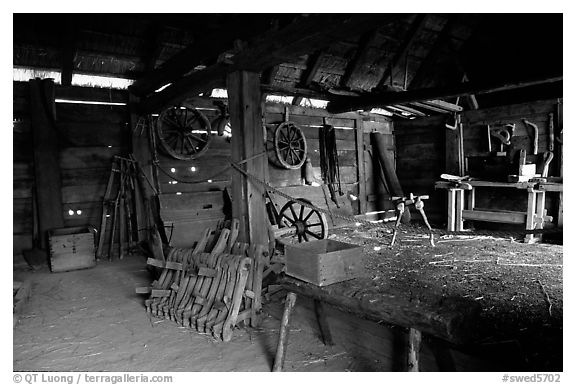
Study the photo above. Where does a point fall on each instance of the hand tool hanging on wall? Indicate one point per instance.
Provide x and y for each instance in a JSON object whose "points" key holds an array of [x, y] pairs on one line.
{"points": [[535, 136], [329, 167]]}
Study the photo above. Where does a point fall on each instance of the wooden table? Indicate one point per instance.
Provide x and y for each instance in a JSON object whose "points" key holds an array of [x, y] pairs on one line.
{"points": [[533, 218], [451, 320]]}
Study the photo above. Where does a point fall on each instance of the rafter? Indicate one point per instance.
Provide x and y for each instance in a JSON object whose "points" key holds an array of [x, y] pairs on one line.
{"points": [[359, 60], [404, 48], [286, 45], [345, 104], [308, 76]]}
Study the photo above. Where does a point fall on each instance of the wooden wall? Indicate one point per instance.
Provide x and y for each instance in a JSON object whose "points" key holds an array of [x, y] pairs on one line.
{"points": [[421, 152], [420, 160], [89, 136], [211, 207]]}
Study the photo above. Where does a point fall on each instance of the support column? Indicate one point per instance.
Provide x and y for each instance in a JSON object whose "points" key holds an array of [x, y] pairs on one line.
{"points": [[48, 180], [248, 200]]}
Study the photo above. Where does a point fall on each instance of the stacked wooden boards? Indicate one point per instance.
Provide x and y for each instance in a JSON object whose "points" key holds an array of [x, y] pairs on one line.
{"points": [[212, 287]]}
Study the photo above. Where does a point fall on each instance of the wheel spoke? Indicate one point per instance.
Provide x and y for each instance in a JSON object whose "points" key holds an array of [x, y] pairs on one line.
{"points": [[191, 145], [301, 212], [293, 212], [289, 219], [296, 155], [312, 234], [299, 238], [315, 224], [198, 138], [305, 237], [309, 215]]}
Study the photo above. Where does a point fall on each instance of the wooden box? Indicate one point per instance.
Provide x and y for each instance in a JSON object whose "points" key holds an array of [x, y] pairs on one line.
{"points": [[324, 262], [71, 248]]}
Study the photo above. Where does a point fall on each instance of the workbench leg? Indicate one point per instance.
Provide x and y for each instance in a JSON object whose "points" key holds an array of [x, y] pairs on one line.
{"points": [[560, 215], [530, 215], [414, 341], [459, 208], [472, 199], [451, 209], [540, 213], [284, 330], [323, 323]]}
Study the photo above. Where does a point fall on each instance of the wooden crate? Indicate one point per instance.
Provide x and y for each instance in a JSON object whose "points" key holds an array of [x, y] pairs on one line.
{"points": [[324, 262], [71, 248]]}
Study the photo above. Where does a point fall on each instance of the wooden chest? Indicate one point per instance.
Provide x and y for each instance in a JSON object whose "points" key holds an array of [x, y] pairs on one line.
{"points": [[324, 262], [71, 248]]}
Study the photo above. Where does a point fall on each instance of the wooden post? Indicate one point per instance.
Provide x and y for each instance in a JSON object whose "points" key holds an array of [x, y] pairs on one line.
{"points": [[48, 180], [284, 331], [414, 340], [248, 200], [459, 209], [530, 214], [362, 198], [451, 209]]}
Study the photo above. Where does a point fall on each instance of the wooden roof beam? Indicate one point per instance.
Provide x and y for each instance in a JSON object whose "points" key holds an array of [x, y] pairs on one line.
{"points": [[404, 48], [311, 70], [360, 59], [203, 50], [287, 45], [345, 104]]}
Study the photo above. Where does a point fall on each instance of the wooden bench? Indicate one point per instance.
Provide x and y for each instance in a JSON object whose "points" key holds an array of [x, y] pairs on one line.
{"points": [[533, 218], [451, 320]]}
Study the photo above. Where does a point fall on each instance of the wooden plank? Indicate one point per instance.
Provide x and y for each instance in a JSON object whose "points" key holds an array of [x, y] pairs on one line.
{"points": [[303, 121], [190, 201], [349, 103], [22, 189], [215, 185], [87, 157], [82, 193], [361, 172], [22, 216], [512, 111], [21, 242], [47, 167], [85, 176], [494, 216], [87, 134], [22, 171], [93, 94], [91, 113]]}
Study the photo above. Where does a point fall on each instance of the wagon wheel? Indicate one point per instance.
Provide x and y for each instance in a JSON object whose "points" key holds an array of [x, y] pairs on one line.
{"points": [[310, 224], [183, 132], [290, 145]]}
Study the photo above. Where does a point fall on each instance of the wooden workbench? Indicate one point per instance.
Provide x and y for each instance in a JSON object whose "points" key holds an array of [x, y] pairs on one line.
{"points": [[533, 218], [449, 319]]}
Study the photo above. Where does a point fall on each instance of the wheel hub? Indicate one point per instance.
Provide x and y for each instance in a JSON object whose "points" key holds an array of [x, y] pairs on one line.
{"points": [[300, 227]]}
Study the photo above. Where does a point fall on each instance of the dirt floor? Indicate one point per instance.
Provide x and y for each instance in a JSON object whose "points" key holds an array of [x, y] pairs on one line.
{"points": [[91, 320]]}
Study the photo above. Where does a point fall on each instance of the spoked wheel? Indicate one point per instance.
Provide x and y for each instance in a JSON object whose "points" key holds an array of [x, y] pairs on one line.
{"points": [[309, 224], [290, 145], [183, 132]]}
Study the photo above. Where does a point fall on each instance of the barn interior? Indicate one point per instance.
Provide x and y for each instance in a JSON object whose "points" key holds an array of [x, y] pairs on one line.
{"points": [[287, 192]]}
